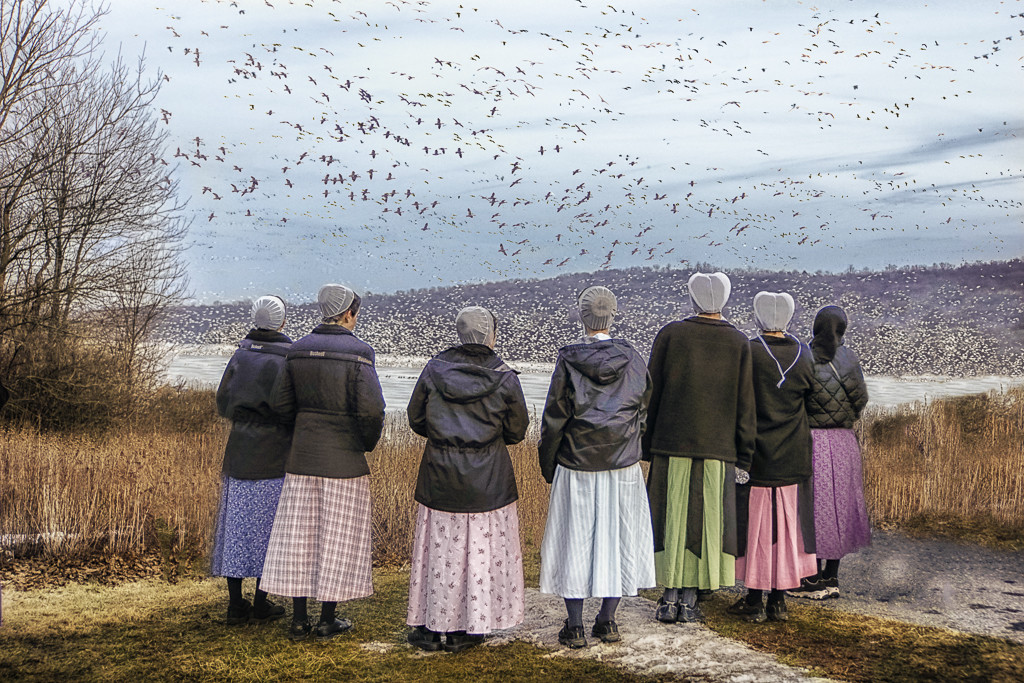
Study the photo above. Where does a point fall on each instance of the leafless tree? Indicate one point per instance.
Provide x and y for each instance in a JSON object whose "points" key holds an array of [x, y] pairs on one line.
{"points": [[90, 228]]}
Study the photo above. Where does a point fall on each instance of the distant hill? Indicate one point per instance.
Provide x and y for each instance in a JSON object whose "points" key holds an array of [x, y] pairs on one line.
{"points": [[949, 320]]}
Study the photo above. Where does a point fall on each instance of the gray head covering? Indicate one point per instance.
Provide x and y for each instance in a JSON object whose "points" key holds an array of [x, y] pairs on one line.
{"points": [[597, 307], [475, 325], [268, 313], [773, 311], [709, 293], [334, 300]]}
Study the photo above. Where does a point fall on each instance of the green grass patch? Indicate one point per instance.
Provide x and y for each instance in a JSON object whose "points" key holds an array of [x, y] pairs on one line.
{"points": [[853, 647], [155, 631]]}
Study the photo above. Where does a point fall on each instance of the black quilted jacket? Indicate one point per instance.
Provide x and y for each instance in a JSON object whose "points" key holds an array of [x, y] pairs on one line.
{"points": [[839, 392]]}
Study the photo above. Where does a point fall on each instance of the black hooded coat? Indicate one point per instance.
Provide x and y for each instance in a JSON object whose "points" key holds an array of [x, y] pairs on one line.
{"points": [[596, 408], [469, 405]]}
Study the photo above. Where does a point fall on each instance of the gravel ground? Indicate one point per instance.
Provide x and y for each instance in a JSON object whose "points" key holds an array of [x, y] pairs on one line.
{"points": [[935, 583], [690, 651]]}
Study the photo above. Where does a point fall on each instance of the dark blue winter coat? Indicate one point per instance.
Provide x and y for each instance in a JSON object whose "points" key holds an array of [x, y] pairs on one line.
{"points": [[260, 435], [330, 386]]}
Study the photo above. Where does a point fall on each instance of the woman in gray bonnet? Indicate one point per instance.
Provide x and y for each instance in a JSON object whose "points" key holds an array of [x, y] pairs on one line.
{"points": [[320, 545], [253, 470], [467, 565], [598, 541]]}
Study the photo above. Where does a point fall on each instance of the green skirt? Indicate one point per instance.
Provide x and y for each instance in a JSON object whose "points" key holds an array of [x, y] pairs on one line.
{"points": [[677, 567]]}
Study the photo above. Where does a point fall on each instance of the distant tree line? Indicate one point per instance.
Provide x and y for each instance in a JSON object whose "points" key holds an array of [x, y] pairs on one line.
{"points": [[960, 321], [90, 228]]}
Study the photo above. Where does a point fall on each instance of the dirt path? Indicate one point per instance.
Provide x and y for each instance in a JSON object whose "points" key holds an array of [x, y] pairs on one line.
{"points": [[650, 647], [935, 583]]}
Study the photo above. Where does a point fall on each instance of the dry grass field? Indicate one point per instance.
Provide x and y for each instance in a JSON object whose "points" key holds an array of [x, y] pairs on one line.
{"points": [[954, 465]]}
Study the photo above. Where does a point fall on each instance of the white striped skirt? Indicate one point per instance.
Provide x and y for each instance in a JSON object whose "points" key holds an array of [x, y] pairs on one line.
{"points": [[320, 542], [598, 541]]}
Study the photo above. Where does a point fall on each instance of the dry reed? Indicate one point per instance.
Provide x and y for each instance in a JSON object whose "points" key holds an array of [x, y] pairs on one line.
{"points": [[124, 494], [129, 493], [953, 461]]}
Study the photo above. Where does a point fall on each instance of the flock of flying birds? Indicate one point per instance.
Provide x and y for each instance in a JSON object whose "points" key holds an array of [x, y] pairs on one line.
{"points": [[425, 131]]}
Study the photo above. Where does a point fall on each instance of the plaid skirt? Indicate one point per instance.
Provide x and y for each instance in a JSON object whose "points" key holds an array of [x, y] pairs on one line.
{"points": [[320, 543]]}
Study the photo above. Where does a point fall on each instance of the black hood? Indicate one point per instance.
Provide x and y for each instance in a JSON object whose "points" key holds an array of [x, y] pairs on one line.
{"points": [[602, 362], [465, 382]]}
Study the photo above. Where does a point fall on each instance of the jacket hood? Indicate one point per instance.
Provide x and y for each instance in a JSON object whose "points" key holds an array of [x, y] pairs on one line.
{"points": [[602, 362], [465, 382]]}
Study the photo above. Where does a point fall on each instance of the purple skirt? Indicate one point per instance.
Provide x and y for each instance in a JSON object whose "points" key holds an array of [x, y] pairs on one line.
{"points": [[246, 515], [840, 514]]}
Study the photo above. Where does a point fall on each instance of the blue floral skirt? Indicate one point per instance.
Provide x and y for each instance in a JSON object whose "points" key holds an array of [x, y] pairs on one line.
{"points": [[246, 515]]}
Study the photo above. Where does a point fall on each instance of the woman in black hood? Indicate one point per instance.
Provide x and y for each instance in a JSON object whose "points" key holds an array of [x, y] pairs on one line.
{"points": [[467, 566], [838, 397]]}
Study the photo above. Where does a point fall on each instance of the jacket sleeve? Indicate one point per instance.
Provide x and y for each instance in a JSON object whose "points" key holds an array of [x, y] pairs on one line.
{"points": [[645, 401], [371, 407], [654, 368], [746, 412], [855, 386], [417, 409], [223, 390], [517, 417], [283, 401], [557, 411]]}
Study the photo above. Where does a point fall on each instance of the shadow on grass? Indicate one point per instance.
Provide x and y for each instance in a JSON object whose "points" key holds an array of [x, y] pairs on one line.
{"points": [[854, 647], [184, 638]]}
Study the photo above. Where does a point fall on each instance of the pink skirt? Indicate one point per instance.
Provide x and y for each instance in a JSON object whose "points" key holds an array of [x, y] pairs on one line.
{"points": [[320, 542], [779, 565], [467, 571]]}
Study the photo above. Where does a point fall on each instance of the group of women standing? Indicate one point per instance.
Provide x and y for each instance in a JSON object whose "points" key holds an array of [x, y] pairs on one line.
{"points": [[725, 422]]}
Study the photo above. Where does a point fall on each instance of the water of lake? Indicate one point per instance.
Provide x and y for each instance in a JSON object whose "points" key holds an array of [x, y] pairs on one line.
{"points": [[398, 383]]}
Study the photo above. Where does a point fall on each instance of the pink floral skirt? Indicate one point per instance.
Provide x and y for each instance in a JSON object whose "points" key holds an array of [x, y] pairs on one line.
{"points": [[467, 571], [781, 564]]}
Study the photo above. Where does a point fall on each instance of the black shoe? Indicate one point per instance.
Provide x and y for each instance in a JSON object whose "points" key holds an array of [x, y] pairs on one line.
{"points": [[607, 633], [689, 615], [667, 612], [300, 630], [239, 614], [457, 641], [754, 613], [264, 612], [326, 630], [776, 610], [572, 636], [832, 586], [704, 594], [425, 639], [812, 589]]}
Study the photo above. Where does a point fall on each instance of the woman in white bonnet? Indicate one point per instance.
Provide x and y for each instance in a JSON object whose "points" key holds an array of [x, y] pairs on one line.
{"points": [[700, 430], [254, 459], [776, 507]]}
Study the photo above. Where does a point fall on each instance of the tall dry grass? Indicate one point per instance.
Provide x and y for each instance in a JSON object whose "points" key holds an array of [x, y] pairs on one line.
{"points": [[957, 461], [135, 492]]}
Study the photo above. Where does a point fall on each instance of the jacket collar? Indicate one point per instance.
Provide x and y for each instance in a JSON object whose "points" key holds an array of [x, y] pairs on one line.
{"points": [[325, 328], [258, 335]]}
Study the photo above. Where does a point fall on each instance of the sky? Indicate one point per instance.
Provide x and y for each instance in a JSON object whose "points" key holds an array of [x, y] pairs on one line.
{"points": [[406, 144]]}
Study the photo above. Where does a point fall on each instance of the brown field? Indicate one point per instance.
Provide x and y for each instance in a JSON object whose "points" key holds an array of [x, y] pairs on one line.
{"points": [[953, 466]]}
